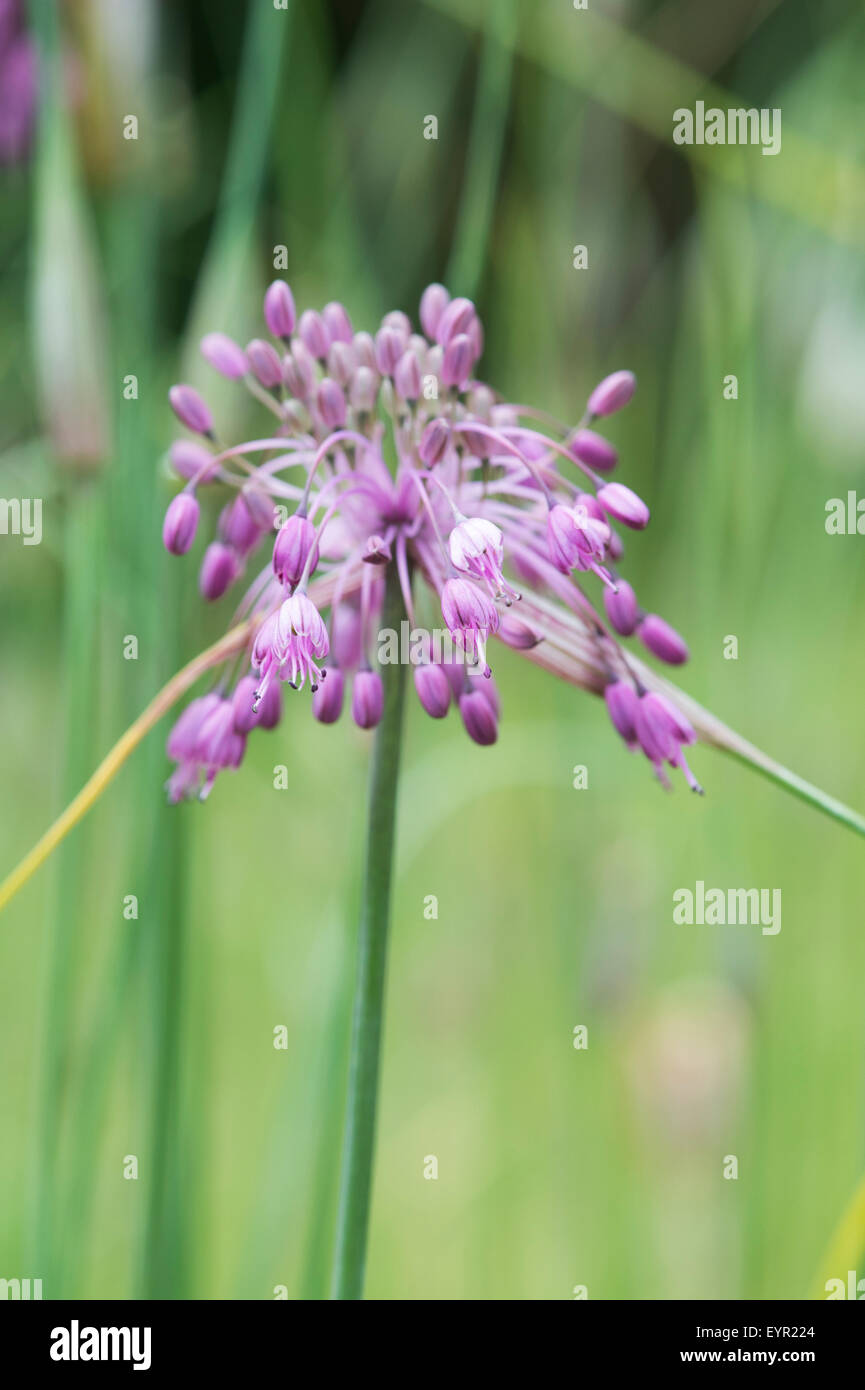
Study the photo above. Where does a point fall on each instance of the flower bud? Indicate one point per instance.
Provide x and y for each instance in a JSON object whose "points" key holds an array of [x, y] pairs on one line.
{"points": [[245, 717], [238, 527], [389, 347], [478, 717], [586, 504], [190, 409], [279, 311], [434, 441], [458, 361], [259, 504], [363, 389], [434, 359], [433, 689], [297, 374], [193, 461], [593, 450], [224, 354], [623, 504], [406, 377], [327, 699], [514, 633], [270, 706], [364, 350], [340, 362], [367, 699], [293, 548], [331, 404], [622, 703], [313, 333], [455, 320], [219, 569], [622, 608], [615, 546], [663, 641], [337, 322], [265, 362], [181, 523], [433, 302], [612, 393]]}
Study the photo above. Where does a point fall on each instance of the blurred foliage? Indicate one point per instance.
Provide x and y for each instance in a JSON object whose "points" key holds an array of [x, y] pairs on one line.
{"points": [[556, 1167]]}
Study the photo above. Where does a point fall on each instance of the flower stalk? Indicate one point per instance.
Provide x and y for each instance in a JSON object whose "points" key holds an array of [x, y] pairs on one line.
{"points": [[365, 1054]]}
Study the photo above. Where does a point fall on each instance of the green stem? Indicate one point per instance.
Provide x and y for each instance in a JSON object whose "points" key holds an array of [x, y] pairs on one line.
{"points": [[805, 791], [489, 119], [359, 1141]]}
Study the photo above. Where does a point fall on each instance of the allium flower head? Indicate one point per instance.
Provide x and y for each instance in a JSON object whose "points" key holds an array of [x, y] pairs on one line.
{"points": [[382, 453]]}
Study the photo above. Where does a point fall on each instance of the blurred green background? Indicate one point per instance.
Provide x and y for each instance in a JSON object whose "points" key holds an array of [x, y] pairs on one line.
{"points": [[153, 1037]]}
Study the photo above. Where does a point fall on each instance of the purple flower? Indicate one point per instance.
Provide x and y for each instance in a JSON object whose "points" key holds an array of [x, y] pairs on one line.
{"points": [[477, 547], [203, 742], [662, 732], [296, 638], [470, 617], [456, 493], [575, 539]]}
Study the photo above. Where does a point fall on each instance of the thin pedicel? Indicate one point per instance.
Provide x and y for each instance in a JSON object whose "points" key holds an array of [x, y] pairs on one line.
{"points": [[475, 489]]}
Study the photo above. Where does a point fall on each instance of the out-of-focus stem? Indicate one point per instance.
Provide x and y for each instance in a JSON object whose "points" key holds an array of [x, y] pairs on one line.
{"points": [[111, 764], [472, 235], [80, 637]]}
